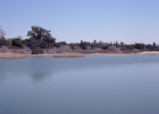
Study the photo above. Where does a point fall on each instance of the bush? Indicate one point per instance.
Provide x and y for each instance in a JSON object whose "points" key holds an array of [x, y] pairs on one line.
{"points": [[17, 42], [37, 50], [59, 44], [83, 45], [105, 47], [2, 42]]}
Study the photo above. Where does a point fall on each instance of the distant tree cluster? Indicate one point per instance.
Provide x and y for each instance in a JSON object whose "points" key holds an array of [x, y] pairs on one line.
{"points": [[40, 38], [103, 45]]}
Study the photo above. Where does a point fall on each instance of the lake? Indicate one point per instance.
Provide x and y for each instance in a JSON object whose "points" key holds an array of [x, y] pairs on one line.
{"points": [[89, 85]]}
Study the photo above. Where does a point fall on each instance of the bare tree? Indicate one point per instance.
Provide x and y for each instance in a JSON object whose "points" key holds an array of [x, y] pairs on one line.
{"points": [[2, 33]]}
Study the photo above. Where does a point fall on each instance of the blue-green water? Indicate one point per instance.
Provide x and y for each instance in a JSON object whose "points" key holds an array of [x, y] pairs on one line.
{"points": [[90, 85]]}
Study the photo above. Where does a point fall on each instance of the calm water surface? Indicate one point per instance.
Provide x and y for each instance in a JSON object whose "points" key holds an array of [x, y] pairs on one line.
{"points": [[90, 85]]}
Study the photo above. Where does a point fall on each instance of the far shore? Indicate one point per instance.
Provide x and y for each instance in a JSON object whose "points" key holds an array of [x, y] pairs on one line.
{"points": [[73, 55]]}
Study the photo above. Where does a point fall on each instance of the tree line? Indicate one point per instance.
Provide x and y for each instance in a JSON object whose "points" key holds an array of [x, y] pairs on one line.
{"points": [[40, 38]]}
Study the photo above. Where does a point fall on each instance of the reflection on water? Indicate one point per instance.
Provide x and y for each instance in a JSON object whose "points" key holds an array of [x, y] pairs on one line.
{"points": [[39, 68], [37, 76], [89, 85]]}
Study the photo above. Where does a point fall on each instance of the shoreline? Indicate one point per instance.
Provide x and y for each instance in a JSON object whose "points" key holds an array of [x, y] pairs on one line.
{"points": [[148, 53], [56, 55], [73, 55]]}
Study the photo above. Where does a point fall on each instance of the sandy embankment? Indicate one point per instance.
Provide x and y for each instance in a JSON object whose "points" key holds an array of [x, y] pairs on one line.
{"points": [[127, 54], [113, 54], [68, 55], [58, 55], [71, 55], [13, 55], [149, 53]]}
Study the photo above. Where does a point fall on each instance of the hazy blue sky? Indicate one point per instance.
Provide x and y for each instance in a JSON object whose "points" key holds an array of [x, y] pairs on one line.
{"points": [[75, 20]]}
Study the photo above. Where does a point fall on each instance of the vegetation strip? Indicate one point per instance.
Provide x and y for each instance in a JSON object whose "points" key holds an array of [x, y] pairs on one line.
{"points": [[40, 41]]}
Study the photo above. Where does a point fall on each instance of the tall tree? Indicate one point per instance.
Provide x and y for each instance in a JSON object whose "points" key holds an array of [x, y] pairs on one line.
{"points": [[39, 33], [41, 37]]}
